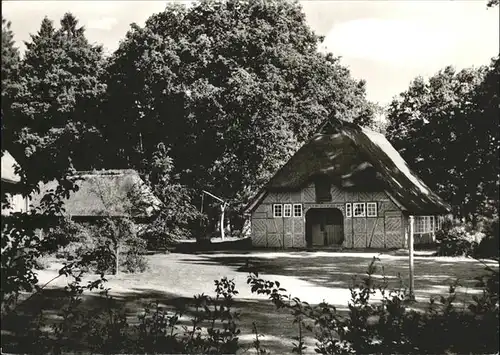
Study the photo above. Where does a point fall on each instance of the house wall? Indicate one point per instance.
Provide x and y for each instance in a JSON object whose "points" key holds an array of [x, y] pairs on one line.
{"points": [[387, 230]]}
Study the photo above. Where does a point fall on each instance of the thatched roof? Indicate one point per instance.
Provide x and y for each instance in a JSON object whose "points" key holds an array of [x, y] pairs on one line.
{"points": [[356, 159], [106, 193], [8, 169]]}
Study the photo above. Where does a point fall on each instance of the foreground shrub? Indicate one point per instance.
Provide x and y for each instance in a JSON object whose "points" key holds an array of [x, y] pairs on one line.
{"points": [[458, 240], [110, 244], [388, 326], [212, 328], [209, 325]]}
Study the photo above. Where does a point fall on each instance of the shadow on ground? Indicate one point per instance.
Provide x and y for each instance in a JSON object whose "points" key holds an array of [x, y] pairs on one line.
{"points": [[342, 272], [17, 339]]}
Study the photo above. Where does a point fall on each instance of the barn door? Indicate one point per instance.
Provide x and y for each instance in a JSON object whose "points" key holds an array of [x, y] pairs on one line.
{"points": [[325, 227]]}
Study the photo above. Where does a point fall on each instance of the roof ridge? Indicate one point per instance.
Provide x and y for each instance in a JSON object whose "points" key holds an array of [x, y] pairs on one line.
{"points": [[104, 172]]}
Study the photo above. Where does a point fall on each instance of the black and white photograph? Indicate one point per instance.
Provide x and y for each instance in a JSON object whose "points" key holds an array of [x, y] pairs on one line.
{"points": [[250, 177]]}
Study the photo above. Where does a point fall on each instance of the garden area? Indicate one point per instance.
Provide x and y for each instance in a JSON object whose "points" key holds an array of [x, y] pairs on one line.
{"points": [[173, 279]]}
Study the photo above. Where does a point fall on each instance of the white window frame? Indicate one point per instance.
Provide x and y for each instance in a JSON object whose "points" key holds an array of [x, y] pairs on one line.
{"points": [[354, 205], [294, 210], [348, 210], [424, 224], [371, 204], [276, 215], [287, 210]]}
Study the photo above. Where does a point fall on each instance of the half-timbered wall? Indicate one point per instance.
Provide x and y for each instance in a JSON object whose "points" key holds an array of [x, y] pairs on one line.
{"points": [[387, 230]]}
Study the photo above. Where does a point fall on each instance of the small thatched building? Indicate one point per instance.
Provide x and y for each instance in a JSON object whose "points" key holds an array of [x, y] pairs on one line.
{"points": [[107, 193], [347, 186]]}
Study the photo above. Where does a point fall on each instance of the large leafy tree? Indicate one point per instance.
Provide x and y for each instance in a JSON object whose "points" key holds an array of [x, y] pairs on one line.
{"points": [[42, 123], [231, 88], [447, 130], [54, 112], [10, 68]]}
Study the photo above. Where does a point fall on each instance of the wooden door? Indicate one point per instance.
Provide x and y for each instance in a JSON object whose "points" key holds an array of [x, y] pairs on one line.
{"points": [[318, 238], [325, 227]]}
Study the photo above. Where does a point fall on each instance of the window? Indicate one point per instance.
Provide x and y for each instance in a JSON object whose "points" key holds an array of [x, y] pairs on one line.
{"points": [[359, 210], [371, 209], [348, 210], [297, 210], [425, 224], [287, 210], [277, 211]]}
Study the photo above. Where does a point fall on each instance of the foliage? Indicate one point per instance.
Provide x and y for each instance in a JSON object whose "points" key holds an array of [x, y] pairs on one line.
{"points": [[489, 245], [211, 329], [449, 113], [134, 260], [47, 96], [178, 216], [10, 68], [162, 331], [493, 3], [388, 326], [459, 240], [234, 86], [58, 99], [208, 325]]}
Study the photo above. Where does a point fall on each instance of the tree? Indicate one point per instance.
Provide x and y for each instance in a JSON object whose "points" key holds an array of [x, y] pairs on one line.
{"points": [[43, 125], [493, 3], [60, 94], [234, 86], [447, 130], [10, 69], [178, 218]]}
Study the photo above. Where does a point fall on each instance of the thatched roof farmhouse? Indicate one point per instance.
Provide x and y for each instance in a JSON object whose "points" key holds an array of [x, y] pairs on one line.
{"points": [[347, 186]]}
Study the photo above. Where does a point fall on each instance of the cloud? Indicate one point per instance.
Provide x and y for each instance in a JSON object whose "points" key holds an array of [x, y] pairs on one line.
{"points": [[392, 41], [460, 40], [103, 23]]}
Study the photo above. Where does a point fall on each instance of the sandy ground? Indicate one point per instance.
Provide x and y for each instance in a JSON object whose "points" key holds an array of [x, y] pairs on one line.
{"points": [[186, 275]]}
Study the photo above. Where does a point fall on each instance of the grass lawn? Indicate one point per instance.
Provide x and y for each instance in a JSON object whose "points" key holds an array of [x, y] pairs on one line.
{"points": [[311, 276]]}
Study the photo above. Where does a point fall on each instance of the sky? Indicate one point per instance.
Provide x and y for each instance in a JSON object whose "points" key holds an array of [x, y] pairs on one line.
{"points": [[387, 43]]}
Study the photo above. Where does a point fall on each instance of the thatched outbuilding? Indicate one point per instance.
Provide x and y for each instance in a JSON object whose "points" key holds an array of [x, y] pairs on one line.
{"points": [[106, 193], [347, 186]]}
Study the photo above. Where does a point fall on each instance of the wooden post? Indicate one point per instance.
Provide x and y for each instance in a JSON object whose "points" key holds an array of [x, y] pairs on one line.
{"points": [[410, 248], [222, 207]]}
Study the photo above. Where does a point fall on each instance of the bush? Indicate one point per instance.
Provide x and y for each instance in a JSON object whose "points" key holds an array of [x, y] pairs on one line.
{"points": [[458, 240], [95, 245], [208, 325], [389, 327], [135, 261], [489, 245]]}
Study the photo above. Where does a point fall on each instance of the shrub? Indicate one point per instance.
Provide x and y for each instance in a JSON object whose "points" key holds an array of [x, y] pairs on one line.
{"points": [[97, 244], [41, 263], [489, 245], [459, 240], [389, 327], [135, 261]]}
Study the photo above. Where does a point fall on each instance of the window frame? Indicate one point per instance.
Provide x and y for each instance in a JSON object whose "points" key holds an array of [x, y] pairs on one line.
{"points": [[367, 209], [348, 210], [287, 206], [275, 215], [301, 210], [354, 205]]}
